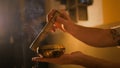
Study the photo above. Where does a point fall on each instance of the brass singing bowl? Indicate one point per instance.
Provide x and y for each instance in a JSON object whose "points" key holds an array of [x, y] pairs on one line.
{"points": [[51, 50]]}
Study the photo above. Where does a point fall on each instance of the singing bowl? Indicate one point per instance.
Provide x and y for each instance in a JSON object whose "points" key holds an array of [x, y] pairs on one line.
{"points": [[51, 50]]}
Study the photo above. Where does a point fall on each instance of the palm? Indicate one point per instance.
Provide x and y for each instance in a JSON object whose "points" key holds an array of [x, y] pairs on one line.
{"points": [[64, 59]]}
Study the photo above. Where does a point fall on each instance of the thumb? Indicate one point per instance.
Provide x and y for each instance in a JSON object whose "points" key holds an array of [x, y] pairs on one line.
{"points": [[60, 26]]}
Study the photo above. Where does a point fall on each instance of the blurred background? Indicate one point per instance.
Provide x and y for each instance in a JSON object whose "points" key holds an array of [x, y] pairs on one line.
{"points": [[22, 20]]}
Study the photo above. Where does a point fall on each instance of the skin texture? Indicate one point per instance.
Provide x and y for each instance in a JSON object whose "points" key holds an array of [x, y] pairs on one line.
{"points": [[91, 36]]}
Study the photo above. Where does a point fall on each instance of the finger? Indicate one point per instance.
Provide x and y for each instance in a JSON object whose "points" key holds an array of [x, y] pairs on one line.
{"points": [[65, 14], [58, 60], [35, 59], [53, 29], [60, 26], [61, 20], [40, 56], [38, 59], [50, 14]]}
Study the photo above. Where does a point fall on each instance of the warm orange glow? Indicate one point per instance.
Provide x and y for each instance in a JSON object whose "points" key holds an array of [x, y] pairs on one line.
{"points": [[111, 9]]}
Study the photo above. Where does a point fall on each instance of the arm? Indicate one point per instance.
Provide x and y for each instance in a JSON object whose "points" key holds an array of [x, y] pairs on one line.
{"points": [[93, 62], [79, 58], [93, 36]]}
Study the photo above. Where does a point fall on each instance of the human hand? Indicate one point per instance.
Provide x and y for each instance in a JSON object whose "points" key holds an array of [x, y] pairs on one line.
{"points": [[63, 21], [64, 59]]}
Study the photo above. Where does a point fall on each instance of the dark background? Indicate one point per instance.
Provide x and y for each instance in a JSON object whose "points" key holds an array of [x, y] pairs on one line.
{"points": [[20, 22]]}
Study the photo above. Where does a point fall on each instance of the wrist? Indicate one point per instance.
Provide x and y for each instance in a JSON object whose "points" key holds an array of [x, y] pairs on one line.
{"points": [[87, 61], [78, 58], [70, 27]]}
